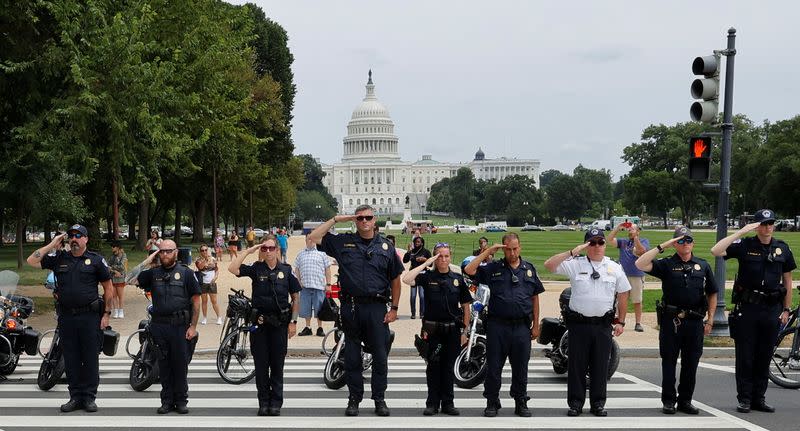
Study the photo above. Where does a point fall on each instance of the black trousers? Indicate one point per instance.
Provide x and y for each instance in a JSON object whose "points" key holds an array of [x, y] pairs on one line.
{"points": [[589, 350], [81, 339], [687, 342], [365, 322], [269, 345], [439, 373], [512, 341], [173, 364], [756, 333]]}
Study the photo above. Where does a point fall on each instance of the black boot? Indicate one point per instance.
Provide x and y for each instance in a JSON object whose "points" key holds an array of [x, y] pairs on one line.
{"points": [[352, 408], [381, 409], [521, 407], [491, 408]]}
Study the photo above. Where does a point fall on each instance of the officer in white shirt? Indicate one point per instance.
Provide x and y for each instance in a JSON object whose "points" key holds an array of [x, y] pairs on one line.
{"points": [[596, 282]]}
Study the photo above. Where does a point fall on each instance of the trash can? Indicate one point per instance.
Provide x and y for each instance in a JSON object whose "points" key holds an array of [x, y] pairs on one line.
{"points": [[185, 255]]}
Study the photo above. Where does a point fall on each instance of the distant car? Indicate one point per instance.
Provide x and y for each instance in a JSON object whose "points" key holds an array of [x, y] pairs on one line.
{"points": [[494, 229], [531, 227], [561, 227], [462, 228], [259, 232]]}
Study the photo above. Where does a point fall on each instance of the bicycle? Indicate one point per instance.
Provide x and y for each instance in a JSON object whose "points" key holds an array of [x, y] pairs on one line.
{"points": [[234, 358], [784, 370]]}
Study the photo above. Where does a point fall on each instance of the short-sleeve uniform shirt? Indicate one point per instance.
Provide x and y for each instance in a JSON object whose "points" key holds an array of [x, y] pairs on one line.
{"points": [[271, 287], [512, 289], [684, 284], [77, 276], [593, 297], [761, 266], [444, 295], [366, 267]]}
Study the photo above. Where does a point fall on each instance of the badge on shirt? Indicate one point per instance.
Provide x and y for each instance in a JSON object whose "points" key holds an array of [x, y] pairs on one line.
{"points": [[280, 275], [455, 283], [385, 246], [697, 267], [177, 275], [778, 251], [87, 261], [530, 273]]}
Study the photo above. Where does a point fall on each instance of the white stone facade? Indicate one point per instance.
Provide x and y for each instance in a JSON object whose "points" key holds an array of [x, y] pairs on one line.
{"points": [[371, 171]]}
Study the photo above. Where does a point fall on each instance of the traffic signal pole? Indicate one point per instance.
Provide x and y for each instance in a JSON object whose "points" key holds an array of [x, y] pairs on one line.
{"points": [[720, 321]]}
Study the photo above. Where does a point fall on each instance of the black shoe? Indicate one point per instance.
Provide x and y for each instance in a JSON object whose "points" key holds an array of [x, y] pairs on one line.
{"points": [[599, 411], [89, 406], [688, 408], [352, 408], [413, 316], [450, 410], [71, 406], [743, 407], [381, 409], [181, 409], [273, 411], [305, 331], [668, 409], [491, 410], [430, 411], [521, 407], [263, 411], [574, 411], [165, 408], [320, 332], [763, 407]]}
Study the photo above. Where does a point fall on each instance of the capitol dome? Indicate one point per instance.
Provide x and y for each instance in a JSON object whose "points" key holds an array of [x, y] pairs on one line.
{"points": [[370, 132]]}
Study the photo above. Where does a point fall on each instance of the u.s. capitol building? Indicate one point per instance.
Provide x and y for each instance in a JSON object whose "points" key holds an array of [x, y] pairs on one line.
{"points": [[371, 171]]}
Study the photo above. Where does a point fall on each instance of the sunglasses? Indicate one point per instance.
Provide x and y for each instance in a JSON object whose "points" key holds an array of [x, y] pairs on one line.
{"points": [[203, 249], [362, 218], [75, 235], [597, 242], [441, 244], [768, 223], [514, 279], [268, 248], [166, 250], [685, 241]]}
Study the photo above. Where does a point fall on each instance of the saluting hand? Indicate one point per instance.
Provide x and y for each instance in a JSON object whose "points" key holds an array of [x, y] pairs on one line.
{"points": [[341, 218], [749, 227], [671, 243], [57, 240], [493, 249], [579, 248], [430, 260]]}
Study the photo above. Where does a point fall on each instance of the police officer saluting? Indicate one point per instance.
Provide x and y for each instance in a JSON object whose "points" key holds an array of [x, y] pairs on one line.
{"points": [[595, 281], [762, 295], [176, 307], [275, 318], [512, 323], [447, 300], [688, 288], [369, 274], [81, 313]]}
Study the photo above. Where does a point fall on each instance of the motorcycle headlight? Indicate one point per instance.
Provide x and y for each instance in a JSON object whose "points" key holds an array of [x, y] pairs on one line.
{"points": [[11, 324]]}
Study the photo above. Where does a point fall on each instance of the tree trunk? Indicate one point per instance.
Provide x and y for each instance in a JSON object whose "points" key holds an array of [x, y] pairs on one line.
{"points": [[214, 203], [199, 220], [20, 236], [132, 218], [178, 214], [251, 206], [115, 204], [47, 236], [144, 226]]}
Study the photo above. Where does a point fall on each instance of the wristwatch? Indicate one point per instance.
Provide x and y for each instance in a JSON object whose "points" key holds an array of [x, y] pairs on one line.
{"points": [[395, 308], [107, 312], [660, 249], [787, 309], [619, 322]]}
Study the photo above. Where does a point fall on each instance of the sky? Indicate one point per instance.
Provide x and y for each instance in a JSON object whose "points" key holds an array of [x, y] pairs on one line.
{"points": [[566, 83]]}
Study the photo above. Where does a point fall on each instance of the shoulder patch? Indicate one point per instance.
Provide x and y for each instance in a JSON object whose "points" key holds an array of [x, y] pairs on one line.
{"points": [[737, 241], [104, 261]]}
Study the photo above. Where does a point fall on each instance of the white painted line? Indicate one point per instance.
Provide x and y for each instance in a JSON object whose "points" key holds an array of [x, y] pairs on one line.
{"points": [[723, 368], [36, 361], [289, 375]]}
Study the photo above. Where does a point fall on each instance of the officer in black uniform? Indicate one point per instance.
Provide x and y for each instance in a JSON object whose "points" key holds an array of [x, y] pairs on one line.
{"points": [[176, 307], [689, 294], [762, 295], [274, 317], [513, 320], [81, 313], [369, 275], [447, 300]]}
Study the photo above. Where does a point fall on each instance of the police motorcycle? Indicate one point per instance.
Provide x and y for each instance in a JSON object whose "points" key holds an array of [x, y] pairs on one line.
{"points": [[554, 332], [470, 367], [15, 337], [333, 375]]}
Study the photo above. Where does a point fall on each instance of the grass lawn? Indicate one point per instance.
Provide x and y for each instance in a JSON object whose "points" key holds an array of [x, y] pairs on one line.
{"points": [[650, 296]]}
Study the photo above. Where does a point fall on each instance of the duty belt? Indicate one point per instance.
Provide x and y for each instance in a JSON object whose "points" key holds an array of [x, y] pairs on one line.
{"points": [[93, 307], [748, 296], [682, 312], [366, 299], [176, 318], [507, 321], [575, 317]]}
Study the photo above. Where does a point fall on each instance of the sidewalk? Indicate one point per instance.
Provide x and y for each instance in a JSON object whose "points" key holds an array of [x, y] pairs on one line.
{"points": [[404, 327]]}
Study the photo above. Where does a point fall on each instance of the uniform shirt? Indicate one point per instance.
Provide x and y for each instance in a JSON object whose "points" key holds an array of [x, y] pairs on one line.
{"points": [[366, 267], [593, 297], [172, 288], [271, 287], [684, 284], [311, 264], [77, 277], [512, 289], [761, 266], [627, 257], [444, 295]]}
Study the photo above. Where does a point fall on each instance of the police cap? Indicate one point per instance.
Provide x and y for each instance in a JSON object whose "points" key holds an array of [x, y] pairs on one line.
{"points": [[764, 215], [78, 228], [592, 233], [682, 231]]}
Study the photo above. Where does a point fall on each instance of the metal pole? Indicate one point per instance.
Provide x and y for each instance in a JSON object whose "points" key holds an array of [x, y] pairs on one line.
{"points": [[720, 321]]}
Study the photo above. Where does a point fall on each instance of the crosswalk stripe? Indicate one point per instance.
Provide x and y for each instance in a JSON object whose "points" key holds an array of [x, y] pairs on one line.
{"points": [[286, 375], [36, 361], [311, 368]]}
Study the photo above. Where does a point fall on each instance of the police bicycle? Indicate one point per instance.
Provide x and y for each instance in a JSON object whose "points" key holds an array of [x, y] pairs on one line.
{"points": [[234, 359], [784, 369]]}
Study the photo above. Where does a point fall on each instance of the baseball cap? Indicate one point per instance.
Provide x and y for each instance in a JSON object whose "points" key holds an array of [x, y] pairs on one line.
{"points": [[593, 232], [682, 231], [764, 215], [78, 228]]}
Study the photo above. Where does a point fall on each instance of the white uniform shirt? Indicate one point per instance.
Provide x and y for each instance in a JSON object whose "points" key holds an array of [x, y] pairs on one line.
{"points": [[593, 297]]}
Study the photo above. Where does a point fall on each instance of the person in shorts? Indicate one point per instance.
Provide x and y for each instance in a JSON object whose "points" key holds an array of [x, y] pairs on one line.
{"points": [[207, 266], [629, 250], [313, 268]]}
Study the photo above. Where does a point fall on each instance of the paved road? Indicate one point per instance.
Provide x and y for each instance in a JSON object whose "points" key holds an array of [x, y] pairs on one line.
{"points": [[633, 403]]}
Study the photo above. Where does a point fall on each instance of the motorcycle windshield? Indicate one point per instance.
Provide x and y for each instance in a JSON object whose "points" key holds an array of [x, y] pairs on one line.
{"points": [[8, 283], [482, 294]]}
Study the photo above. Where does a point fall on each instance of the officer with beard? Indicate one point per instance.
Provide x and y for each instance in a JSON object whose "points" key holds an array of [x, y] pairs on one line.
{"points": [[81, 314], [176, 307]]}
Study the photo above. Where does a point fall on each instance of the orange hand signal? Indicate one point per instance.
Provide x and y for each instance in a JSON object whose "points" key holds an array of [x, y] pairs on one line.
{"points": [[699, 148]]}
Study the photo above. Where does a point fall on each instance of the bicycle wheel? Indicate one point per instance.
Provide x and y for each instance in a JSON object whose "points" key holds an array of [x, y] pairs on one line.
{"points": [[234, 360], [52, 368], [784, 369]]}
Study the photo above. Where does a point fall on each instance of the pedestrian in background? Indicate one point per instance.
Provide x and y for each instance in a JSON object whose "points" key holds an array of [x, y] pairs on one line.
{"points": [[251, 236], [313, 269], [233, 245], [209, 269], [283, 242], [219, 243], [417, 254], [118, 265], [629, 250]]}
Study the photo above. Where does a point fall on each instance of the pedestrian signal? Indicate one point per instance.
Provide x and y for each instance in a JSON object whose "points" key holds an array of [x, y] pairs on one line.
{"points": [[699, 158]]}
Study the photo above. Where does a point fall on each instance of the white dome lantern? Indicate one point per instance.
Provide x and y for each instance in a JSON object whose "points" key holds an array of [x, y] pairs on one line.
{"points": [[370, 132]]}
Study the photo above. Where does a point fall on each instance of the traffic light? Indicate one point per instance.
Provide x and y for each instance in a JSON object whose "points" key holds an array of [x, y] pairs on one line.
{"points": [[699, 158], [707, 89]]}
